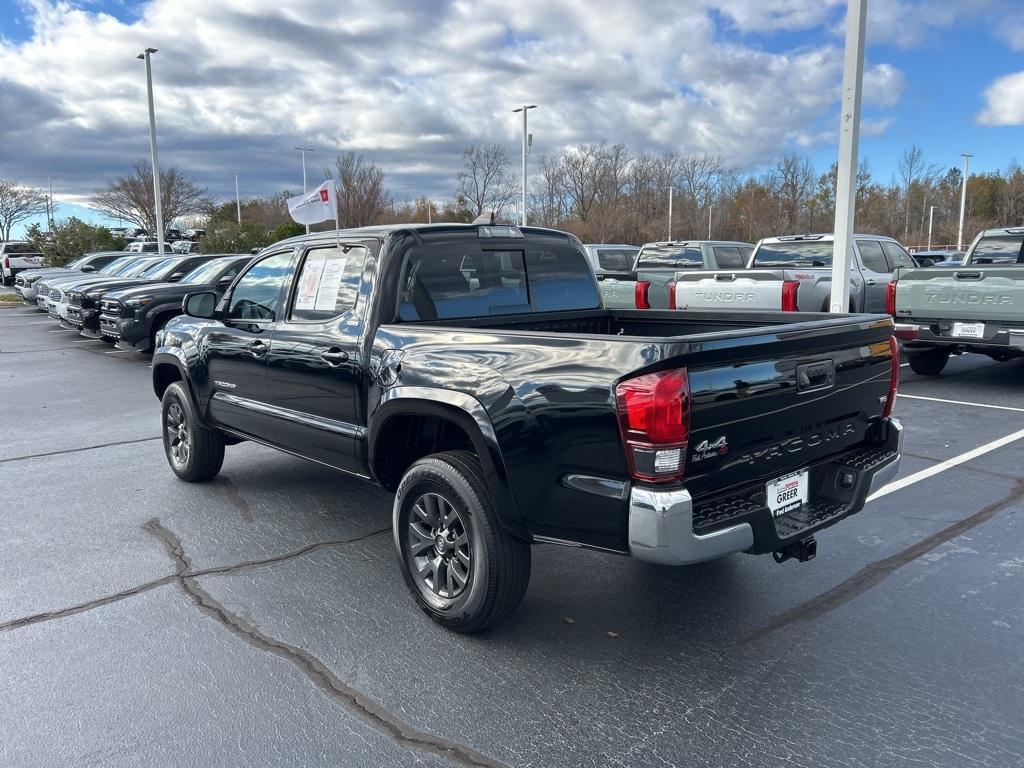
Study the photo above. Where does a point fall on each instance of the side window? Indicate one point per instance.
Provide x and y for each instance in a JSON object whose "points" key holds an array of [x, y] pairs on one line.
{"points": [[328, 282], [258, 292], [872, 256], [614, 260], [897, 256], [728, 257]]}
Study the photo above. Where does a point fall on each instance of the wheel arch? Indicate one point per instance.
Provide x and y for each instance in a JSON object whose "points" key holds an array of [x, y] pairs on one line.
{"points": [[429, 420]]}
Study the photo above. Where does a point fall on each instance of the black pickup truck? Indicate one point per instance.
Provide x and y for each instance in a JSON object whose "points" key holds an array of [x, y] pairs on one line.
{"points": [[473, 370]]}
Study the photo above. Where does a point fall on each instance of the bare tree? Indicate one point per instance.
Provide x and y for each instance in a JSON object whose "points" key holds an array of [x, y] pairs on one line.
{"points": [[131, 197], [911, 165], [796, 181], [362, 196], [485, 181], [18, 204]]}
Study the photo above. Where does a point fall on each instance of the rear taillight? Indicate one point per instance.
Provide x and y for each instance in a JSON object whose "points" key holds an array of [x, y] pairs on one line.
{"points": [[640, 294], [890, 298], [789, 289], [894, 378], [654, 420], [672, 296]]}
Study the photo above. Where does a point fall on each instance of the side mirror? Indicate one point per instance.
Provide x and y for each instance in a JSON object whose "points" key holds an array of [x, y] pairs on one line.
{"points": [[202, 305], [175, 277], [88, 268]]}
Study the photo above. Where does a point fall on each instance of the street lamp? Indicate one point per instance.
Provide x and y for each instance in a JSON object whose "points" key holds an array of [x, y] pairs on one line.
{"points": [[238, 200], [527, 143], [305, 189], [152, 149], [671, 189], [963, 201]]}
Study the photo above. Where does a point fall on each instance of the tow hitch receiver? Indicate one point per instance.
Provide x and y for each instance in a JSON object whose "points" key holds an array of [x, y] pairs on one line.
{"points": [[802, 550]]}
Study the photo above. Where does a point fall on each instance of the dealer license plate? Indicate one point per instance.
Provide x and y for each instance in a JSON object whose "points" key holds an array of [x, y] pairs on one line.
{"points": [[787, 493], [969, 330]]}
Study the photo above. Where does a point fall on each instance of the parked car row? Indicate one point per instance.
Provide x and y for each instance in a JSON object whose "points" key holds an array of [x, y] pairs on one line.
{"points": [[125, 299], [791, 273]]}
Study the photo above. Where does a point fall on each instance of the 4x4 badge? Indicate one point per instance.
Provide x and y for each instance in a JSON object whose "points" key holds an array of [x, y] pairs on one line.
{"points": [[706, 449]]}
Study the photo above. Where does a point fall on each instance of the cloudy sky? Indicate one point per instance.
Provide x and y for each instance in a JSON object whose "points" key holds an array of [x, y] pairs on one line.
{"points": [[240, 82]]}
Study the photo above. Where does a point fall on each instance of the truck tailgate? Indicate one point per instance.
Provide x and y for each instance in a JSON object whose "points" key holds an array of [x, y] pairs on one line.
{"points": [[783, 402], [728, 290], [966, 293], [618, 291]]}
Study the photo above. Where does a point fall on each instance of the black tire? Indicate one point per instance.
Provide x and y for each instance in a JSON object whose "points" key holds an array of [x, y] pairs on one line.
{"points": [[928, 363], [194, 451], [5, 280], [494, 566]]}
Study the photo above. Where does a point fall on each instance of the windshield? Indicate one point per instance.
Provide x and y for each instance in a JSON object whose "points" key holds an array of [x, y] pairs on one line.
{"points": [[796, 253], [160, 269], [74, 264], [999, 249], [206, 273], [117, 265], [136, 269], [670, 255]]}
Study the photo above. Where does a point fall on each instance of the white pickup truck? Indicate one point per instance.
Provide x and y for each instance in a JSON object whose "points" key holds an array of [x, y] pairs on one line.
{"points": [[15, 256]]}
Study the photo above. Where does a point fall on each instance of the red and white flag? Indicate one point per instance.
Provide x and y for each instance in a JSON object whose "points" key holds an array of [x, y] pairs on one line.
{"points": [[314, 207]]}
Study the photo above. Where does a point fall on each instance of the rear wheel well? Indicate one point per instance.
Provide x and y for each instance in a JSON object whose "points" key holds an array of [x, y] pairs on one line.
{"points": [[407, 438], [163, 376]]}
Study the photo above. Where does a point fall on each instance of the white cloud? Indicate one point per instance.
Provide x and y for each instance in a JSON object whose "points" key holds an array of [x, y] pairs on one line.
{"points": [[1004, 101], [240, 82]]}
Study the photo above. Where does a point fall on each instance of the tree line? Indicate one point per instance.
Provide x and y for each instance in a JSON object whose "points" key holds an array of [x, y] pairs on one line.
{"points": [[600, 192]]}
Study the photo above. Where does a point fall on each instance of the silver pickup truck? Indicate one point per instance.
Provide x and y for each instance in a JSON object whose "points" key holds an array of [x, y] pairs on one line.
{"points": [[612, 264], [804, 262], [977, 307], [682, 275]]}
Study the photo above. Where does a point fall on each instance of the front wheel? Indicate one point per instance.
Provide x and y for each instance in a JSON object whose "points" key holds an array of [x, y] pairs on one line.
{"points": [[194, 451], [462, 567], [928, 363]]}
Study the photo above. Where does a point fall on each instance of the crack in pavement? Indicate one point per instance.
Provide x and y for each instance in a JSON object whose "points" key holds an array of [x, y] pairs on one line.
{"points": [[235, 497], [871, 575], [313, 668], [77, 450], [245, 565]]}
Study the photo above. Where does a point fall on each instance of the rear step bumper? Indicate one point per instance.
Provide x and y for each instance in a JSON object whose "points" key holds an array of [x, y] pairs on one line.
{"points": [[661, 522]]}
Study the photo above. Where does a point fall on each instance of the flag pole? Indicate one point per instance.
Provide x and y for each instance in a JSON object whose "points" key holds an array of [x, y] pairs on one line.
{"points": [[337, 216]]}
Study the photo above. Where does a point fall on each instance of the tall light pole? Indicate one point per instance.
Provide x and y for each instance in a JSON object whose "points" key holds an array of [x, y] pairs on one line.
{"points": [[152, 149], [931, 216], [963, 202], [711, 208], [527, 143], [849, 138], [671, 189], [305, 185], [50, 209], [238, 200]]}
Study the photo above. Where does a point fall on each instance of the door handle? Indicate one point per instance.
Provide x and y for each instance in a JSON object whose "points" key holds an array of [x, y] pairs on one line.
{"points": [[334, 356], [870, 282], [256, 348]]}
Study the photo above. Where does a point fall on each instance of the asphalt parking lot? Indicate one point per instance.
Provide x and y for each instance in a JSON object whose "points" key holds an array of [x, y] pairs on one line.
{"points": [[261, 619]]}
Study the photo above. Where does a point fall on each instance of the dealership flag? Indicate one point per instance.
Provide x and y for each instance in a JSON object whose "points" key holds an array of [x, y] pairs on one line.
{"points": [[315, 206]]}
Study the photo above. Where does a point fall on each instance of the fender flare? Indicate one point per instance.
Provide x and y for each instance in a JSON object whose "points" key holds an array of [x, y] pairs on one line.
{"points": [[176, 357], [472, 418]]}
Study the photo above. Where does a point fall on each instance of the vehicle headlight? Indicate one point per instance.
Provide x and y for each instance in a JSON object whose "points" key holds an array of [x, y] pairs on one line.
{"points": [[140, 301]]}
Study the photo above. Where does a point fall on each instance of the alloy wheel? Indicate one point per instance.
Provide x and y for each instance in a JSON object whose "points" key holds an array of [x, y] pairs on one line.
{"points": [[439, 548], [179, 441]]}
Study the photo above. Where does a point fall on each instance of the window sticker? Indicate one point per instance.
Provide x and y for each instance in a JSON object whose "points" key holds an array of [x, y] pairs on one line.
{"points": [[310, 281], [330, 281]]}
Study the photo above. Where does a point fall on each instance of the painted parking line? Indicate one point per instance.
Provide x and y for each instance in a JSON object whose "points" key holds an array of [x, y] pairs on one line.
{"points": [[62, 330], [83, 341], [942, 466], [961, 402], [116, 351]]}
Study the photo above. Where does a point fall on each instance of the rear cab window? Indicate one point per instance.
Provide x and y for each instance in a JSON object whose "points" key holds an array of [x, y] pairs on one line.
{"points": [[999, 249], [670, 257], [454, 281], [796, 253], [729, 257], [897, 256]]}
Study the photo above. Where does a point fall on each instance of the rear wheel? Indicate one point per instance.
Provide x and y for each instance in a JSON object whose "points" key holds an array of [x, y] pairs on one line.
{"points": [[929, 362], [462, 567], [194, 451]]}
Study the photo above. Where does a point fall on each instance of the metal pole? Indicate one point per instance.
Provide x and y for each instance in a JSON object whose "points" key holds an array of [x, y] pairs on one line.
{"points": [[152, 146], [49, 204], [711, 208], [526, 151], [670, 191], [963, 202], [849, 137], [305, 183], [238, 201], [931, 216]]}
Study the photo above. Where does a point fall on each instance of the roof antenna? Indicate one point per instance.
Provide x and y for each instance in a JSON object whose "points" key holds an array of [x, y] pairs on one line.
{"points": [[486, 218]]}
